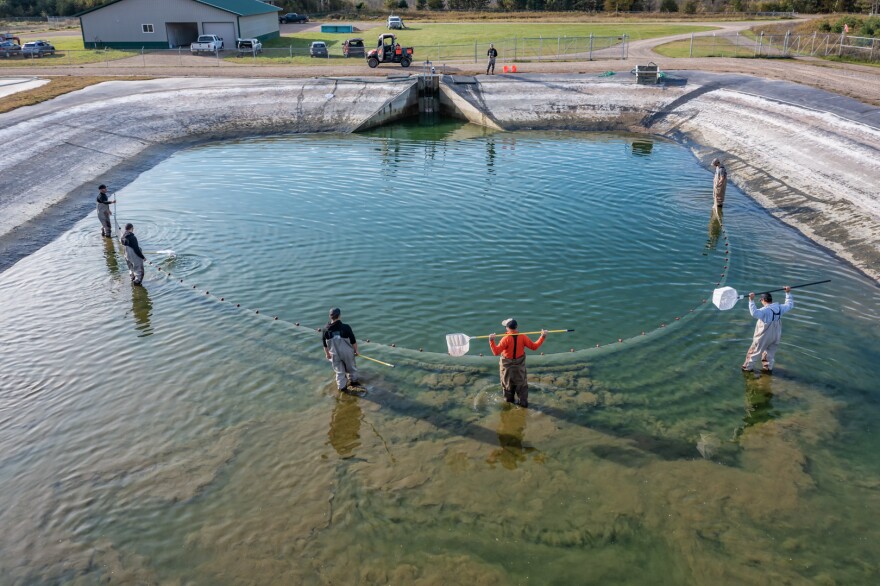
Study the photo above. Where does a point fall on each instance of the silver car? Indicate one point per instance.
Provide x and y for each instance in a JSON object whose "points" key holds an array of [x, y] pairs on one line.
{"points": [[37, 49], [9, 49]]}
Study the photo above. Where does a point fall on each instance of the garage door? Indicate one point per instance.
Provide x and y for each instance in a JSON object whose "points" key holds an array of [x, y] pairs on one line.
{"points": [[224, 30]]}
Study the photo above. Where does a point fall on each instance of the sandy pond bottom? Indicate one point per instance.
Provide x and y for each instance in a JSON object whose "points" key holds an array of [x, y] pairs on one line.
{"points": [[156, 435]]}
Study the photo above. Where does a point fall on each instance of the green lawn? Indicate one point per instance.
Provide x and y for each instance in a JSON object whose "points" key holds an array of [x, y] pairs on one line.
{"points": [[704, 47], [70, 51], [456, 41]]}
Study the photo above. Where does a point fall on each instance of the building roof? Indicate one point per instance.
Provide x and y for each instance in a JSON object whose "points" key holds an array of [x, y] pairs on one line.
{"points": [[239, 7]]}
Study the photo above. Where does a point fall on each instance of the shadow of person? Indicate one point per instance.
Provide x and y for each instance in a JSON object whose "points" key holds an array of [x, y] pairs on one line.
{"points": [[715, 222], [110, 256], [511, 429], [345, 425], [142, 310]]}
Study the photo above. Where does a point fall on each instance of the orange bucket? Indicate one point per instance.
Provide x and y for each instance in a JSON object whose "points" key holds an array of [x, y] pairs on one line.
{"points": [[513, 68], [505, 69]]}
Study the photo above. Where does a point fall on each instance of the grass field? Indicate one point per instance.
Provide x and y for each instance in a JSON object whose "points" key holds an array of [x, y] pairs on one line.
{"points": [[70, 51], [704, 47], [434, 39]]}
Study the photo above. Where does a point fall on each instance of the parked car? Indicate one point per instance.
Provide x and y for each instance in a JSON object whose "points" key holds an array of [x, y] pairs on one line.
{"points": [[292, 17], [248, 47], [208, 44], [37, 49], [395, 22], [353, 48], [10, 49], [318, 49]]}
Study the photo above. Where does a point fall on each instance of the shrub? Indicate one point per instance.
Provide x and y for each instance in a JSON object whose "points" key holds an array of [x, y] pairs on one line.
{"points": [[669, 6]]}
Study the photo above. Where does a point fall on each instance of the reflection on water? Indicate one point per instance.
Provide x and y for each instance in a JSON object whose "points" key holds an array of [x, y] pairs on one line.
{"points": [[345, 425], [758, 399], [110, 257], [223, 465], [715, 224], [642, 147], [141, 309], [511, 433]]}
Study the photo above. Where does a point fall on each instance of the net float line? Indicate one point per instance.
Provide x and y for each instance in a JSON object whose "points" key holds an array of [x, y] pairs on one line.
{"points": [[600, 347]]}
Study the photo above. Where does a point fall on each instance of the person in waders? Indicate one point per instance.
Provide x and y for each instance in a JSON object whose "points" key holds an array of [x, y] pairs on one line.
{"points": [[768, 330], [134, 256], [104, 212], [340, 347], [512, 365], [492, 53], [719, 184]]}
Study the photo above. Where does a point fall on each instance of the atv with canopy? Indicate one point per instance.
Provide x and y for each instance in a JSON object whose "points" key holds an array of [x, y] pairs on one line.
{"points": [[389, 50]]}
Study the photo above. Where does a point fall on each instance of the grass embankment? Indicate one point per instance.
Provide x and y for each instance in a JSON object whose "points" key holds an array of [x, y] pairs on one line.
{"points": [[56, 87], [432, 40], [69, 51]]}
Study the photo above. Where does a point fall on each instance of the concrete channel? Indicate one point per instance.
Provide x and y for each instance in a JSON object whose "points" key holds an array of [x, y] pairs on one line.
{"points": [[811, 158]]}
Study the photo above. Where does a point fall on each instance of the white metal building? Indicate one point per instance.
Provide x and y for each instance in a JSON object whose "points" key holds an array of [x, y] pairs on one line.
{"points": [[163, 24]]}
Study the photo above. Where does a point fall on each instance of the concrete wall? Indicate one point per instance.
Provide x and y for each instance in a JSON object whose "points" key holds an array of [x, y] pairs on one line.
{"points": [[119, 24], [259, 26]]}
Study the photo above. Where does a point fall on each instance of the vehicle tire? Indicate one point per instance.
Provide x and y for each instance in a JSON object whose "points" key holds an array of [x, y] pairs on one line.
{"points": [[405, 62], [373, 63]]}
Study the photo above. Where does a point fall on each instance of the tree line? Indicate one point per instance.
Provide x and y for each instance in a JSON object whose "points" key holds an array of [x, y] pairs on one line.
{"points": [[37, 8]]}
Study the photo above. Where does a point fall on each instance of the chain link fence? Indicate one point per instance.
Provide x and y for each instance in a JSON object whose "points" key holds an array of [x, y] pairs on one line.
{"points": [[515, 50], [785, 45]]}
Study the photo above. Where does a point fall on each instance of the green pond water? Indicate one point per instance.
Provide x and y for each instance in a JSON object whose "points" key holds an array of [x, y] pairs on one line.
{"points": [[160, 435]]}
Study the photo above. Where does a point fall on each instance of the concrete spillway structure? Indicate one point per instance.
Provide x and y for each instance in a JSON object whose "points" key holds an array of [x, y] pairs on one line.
{"points": [[810, 157]]}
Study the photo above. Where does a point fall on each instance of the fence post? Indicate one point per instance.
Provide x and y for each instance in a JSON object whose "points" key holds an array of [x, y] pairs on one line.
{"points": [[179, 56], [813, 44], [873, 46], [840, 46], [761, 43], [557, 48], [623, 48], [691, 53], [540, 47], [514, 48], [785, 43], [143, 57], [475, 51], [591, 46]]}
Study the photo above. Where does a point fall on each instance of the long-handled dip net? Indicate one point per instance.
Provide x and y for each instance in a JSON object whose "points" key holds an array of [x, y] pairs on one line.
{"points": [[725, 298], [459, 344]]}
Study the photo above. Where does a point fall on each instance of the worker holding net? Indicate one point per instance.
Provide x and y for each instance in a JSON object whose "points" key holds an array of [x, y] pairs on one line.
{"points": [[512, 365]]}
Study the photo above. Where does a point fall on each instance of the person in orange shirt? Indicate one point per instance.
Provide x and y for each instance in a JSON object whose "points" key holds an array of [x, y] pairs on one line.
{"points": [[512, 365]]}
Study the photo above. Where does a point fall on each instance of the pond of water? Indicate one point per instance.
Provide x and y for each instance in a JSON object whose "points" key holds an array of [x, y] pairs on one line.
{"points": [[158, 434]]}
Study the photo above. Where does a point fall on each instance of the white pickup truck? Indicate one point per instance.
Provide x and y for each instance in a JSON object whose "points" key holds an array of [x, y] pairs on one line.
{"points": [[208, 44]]}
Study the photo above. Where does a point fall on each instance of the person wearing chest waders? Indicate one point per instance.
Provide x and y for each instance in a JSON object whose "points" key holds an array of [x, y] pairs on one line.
{"points": [[134, 256], [492, 53], [104, 212], [512, 365], [340, 347], [719, 184], [768, 330]]}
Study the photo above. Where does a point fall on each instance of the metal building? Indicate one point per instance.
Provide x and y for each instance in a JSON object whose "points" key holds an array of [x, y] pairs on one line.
{"points": [[163, 24]]}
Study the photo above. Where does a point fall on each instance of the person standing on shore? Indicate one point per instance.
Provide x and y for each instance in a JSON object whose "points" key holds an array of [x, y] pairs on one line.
{"points": [[134, 256], [492, 53], [512, 365], [104, 211], [768, 330], [719, 185], [340, 348]]}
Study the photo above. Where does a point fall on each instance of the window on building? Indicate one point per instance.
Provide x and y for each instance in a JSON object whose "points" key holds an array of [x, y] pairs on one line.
{"points": [[148, 28]]}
